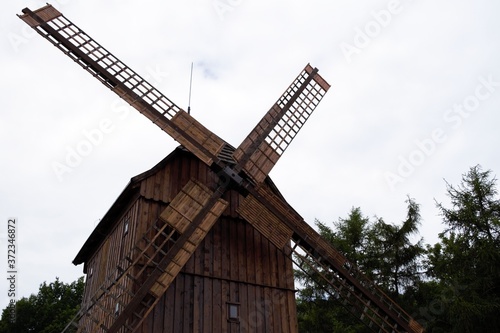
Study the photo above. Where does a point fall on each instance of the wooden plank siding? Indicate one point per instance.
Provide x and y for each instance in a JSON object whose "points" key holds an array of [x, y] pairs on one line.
{"points": [[200, 294], [234, 264], [111, 251]]}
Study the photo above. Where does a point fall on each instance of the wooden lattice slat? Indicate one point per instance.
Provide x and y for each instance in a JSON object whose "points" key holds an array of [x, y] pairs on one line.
{"points": [[265, 221], [261, 149], [121, 79], [352, 285]]}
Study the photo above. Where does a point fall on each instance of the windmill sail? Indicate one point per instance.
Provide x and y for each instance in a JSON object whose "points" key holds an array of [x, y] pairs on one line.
{"points": [[343, 280], [131, 292], [262, 148], [144, 275], [192, 213], [123, 81]]}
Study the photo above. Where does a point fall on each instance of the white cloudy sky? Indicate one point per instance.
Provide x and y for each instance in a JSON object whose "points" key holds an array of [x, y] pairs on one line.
{"points": [[415, 95]]}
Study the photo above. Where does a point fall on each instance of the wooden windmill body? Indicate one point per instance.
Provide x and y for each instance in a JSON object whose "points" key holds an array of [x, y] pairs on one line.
{"points": [[204, 242], [235, 281]]}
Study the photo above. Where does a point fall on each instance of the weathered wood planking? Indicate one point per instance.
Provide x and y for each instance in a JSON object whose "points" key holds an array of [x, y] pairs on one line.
{"points": [[265, 221], [260, 311], [111, 245], [204, 137], [175, 173], [110, 253], [261, 162], [191, 245], [301, 226], [187, 205], [254, 138], [261, 149], [46, 13], [234, 263]]}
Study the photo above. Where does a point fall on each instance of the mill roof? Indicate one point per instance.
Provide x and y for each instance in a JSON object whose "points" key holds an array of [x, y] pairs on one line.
{"points": [[130, 193]]}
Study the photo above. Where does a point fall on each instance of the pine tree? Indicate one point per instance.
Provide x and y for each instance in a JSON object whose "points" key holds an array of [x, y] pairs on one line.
{"points": [[466, 262]]}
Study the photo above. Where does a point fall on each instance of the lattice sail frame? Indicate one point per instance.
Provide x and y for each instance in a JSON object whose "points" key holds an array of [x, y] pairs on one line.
{"points": [[113, 308], [101, 56], [297, 114], [125, 82], [262, 148], [256, 156], [340, 278]]}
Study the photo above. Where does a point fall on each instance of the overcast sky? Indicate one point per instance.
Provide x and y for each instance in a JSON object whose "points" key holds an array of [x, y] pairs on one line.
{"points": [[415, 101]]}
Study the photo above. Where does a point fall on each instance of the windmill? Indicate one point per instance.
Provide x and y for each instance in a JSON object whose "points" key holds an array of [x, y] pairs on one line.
{"points": [[136, 281]]}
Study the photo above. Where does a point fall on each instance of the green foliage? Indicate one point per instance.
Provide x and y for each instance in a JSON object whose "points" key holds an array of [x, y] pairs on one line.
{"points": [[451, 286], [396, 261], [350, 237], [49, 311], [467, 259], [458, 292], [384, 252], [322, 315]]}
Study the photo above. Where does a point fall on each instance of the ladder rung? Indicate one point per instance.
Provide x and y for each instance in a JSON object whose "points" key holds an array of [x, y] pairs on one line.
{"points": [[147, 240], [129, 327], [134, 279], [120, 269], [147, 304], [159, 250], [138, 315]]}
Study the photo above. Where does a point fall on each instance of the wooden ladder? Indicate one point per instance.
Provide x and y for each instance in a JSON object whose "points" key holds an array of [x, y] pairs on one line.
{"points": [[338, 283], [123, 81], [310, 252], [131, 292], [97, 314]]}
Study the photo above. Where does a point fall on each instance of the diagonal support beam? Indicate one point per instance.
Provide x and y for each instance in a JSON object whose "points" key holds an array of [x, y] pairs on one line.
{"points": [[193, 211], [385, 313]]}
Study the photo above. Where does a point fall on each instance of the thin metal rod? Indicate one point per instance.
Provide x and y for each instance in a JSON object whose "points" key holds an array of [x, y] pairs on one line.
{"points": [[190, 86]]}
